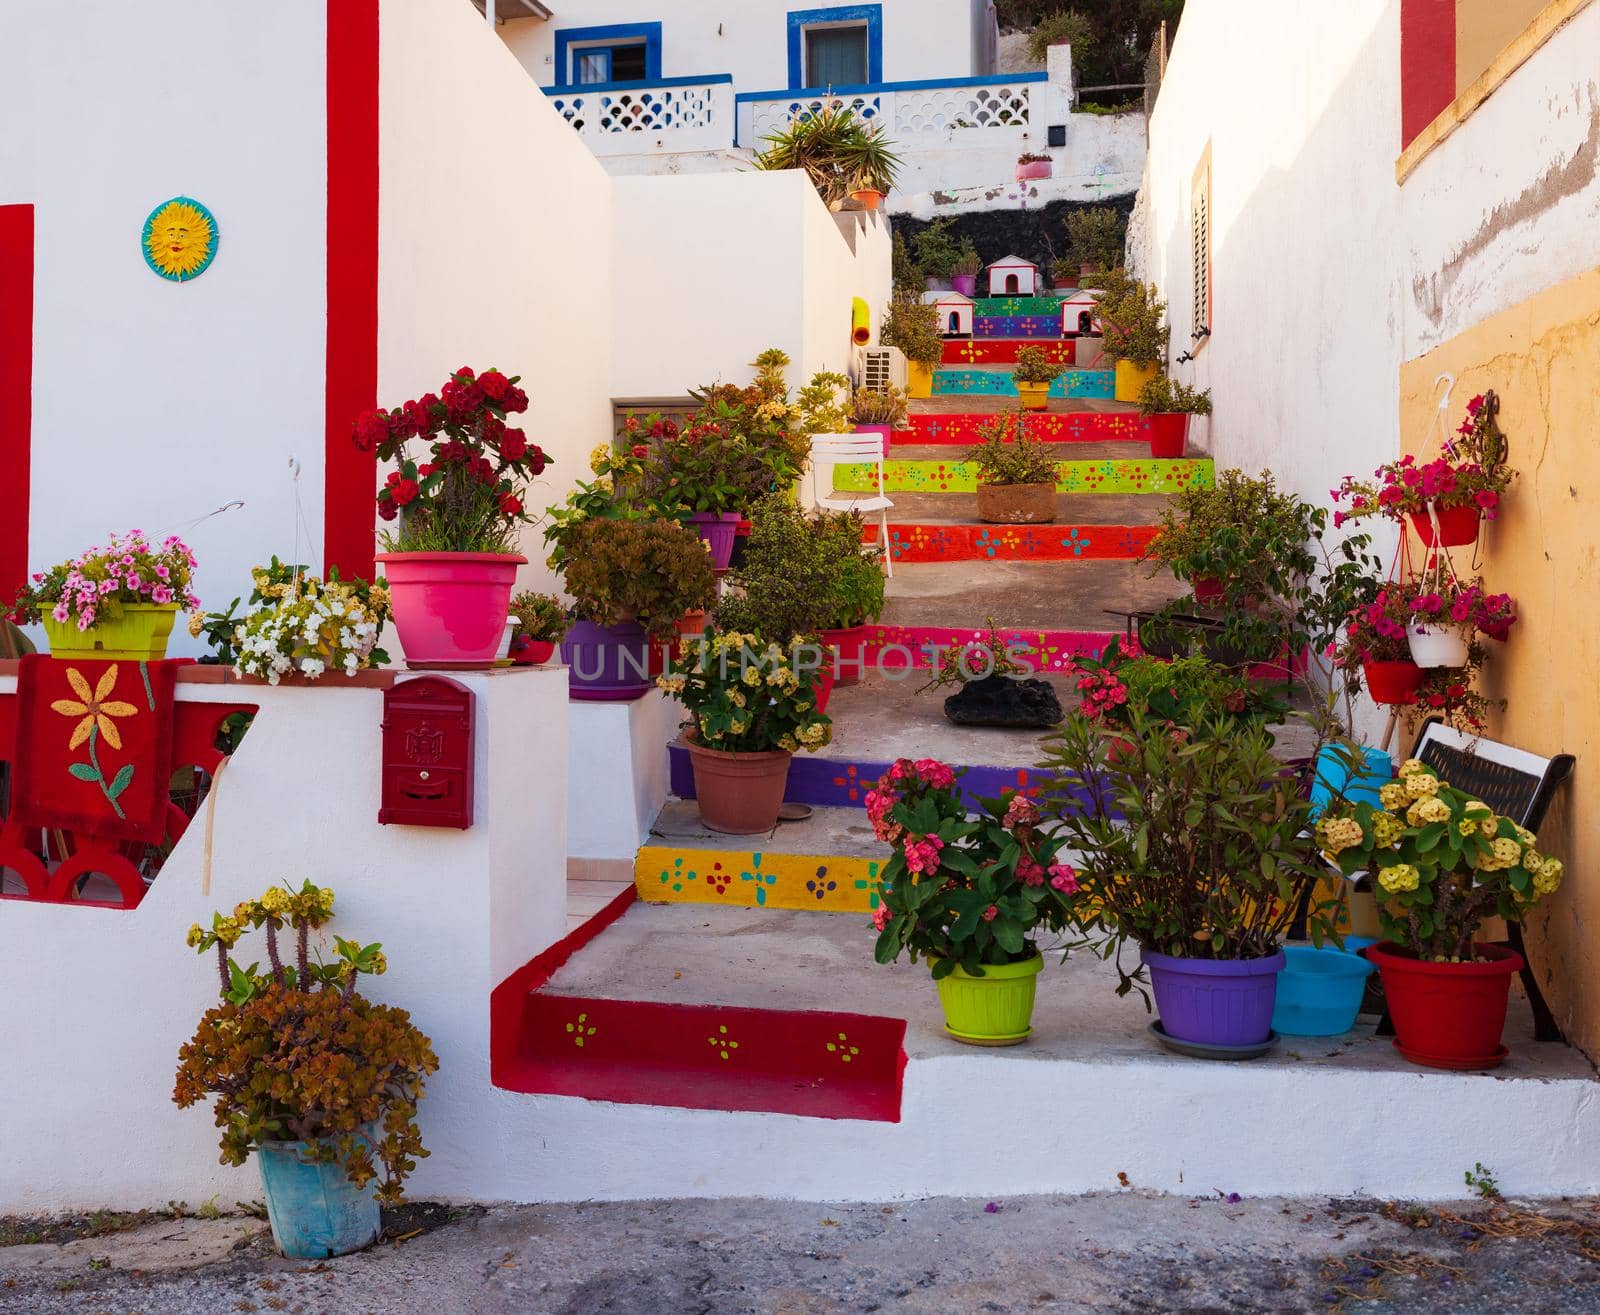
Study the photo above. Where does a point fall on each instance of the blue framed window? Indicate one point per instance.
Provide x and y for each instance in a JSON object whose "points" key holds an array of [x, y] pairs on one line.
{"points": [[834, 47], [616, 52]]}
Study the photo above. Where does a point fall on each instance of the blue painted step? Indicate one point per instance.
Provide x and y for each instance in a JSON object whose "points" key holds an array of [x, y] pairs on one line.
{"points": [[998, 383]]}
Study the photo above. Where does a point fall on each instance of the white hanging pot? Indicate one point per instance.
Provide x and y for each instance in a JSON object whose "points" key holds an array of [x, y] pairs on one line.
{"points": [[1437, 646]]}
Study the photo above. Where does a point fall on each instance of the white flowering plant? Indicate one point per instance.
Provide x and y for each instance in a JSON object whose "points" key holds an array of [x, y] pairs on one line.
{"points": [[744, 695], [1442, 862], [298, 622]]}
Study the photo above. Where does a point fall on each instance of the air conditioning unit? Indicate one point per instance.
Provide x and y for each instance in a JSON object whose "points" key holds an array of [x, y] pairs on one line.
{"points": [[883, 368]]}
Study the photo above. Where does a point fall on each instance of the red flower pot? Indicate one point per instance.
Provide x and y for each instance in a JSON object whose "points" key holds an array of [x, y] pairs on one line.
{"points": [[1447, 1015], [1169, 434], [1208, 589], [1392, 682], [825, 684], [450, 607], [530, 653], [1457, 526], [850, 645]]}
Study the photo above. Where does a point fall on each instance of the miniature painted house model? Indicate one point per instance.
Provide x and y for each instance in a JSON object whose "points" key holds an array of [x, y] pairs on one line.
{"points": [[955, 313], [1078, 317], [1013, 277]]}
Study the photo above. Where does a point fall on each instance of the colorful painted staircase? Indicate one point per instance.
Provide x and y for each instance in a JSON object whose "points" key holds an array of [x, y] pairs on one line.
{"points": [[997, 382]]}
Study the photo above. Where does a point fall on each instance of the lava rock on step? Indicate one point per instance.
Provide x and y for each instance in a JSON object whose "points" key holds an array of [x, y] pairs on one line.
{"points": [[1002, 701]]}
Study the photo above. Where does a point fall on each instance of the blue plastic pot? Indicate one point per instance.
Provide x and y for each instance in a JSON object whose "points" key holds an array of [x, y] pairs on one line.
{"points": [[1333, 777], [315, 1210], [1319, 991]]}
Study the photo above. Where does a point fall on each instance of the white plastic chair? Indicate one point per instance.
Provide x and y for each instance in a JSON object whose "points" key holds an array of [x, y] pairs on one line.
{"points": [[830, 450]]}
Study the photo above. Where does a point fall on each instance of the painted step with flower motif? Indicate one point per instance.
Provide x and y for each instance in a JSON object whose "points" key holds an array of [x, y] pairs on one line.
{"points": [[999, 383], [960, 428], [1059, 541], [1017, 326], [1148, 475], [1004, 351], [998, 307]]}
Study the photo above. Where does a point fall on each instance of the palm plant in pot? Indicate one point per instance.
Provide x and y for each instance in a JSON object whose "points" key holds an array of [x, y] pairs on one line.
{"points": [[1443, 862], [452, 559], [752, 704], [912, 325], [1017, 474], [968, 891], [631, 581], [1133, 317], [840, 152], [1168, 408], [1196, 847], [1033, 375], [320, 1082]]}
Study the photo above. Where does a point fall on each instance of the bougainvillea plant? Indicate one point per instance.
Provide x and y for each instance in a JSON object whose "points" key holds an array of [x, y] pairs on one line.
{"points": [[467, 496], [295, 1054], [1470, 473], [129, 568], [744, 695], [1442, 860], [962, 890]]}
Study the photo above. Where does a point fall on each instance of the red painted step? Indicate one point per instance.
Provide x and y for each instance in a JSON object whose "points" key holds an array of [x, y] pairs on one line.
{"points": [[1003, 351], [960, 429]]}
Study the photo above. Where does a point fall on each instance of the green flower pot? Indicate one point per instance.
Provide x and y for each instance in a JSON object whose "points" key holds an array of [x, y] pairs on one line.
{"points": [[134, 632], [995, 1009]]}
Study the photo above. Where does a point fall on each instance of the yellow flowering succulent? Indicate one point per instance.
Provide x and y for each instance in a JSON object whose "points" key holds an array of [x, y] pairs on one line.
{"points": [[744, 695], [1399, 877], [1386, 829], [1336, 834], [1420, 784], [1413, 767], [1428, 809], [1393, 795], [1547, 878]]}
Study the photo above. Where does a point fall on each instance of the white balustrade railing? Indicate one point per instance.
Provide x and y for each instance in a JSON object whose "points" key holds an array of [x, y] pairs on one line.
{"points": [[674, 114], [910, 113]]}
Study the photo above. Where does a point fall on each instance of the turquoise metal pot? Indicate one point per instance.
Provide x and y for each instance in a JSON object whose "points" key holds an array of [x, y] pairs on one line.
{"points": [[315, 1210]]}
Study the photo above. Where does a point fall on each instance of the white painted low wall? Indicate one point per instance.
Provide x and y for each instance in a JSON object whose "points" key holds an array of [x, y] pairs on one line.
{"points": [[97, 1001], [617, 773]]}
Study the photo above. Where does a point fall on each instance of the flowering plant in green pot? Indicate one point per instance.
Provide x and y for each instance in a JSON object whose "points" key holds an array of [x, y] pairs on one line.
{"points": [[1442, 862], [751, 705], [320, 1082], [968, 893]]}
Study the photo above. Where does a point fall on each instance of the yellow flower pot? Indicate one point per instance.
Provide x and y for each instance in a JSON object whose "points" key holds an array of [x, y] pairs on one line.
{"points": [[1132, 377], [138, 634], [1035, 397], [919, 379]]}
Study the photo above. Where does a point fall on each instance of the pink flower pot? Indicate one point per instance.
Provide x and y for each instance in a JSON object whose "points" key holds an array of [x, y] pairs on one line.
{"points": [[1033, 169], [882, 431], [450, 607], [965, 284]]}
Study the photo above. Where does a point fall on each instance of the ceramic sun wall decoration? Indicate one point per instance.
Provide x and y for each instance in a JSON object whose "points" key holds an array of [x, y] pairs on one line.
{"points": [[180, 239]]}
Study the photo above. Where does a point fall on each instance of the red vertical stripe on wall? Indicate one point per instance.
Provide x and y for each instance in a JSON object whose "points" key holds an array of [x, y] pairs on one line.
{"points": [[1427, 63], [16, 393], [350, 478]]}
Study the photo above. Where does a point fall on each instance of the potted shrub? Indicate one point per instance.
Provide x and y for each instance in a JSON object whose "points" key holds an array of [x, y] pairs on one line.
{"points": [[1096, 236], [1033, 375], [1064, 275], [913, 326], [631, 581], [807, 577], [1443, 862], [966, 267], [1016, 474], [880, 413], [1443, 499], [968, 892], [1168, 408], [541, 624], [1030, 166], [751, 705], [937, 250], [1196, 847], [299, 626], [319, 1081], [115, 601], [1136, 335], [451, 561], [840, 152]]}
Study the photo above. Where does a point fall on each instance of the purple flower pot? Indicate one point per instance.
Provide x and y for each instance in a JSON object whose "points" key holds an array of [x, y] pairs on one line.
{"points": [[719, 530], [608, 664], [965, 284], [1215, 1002]]}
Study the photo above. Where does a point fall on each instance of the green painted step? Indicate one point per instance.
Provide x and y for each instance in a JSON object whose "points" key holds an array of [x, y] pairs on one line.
{"points": [[1017, 306], [1105, 476]]}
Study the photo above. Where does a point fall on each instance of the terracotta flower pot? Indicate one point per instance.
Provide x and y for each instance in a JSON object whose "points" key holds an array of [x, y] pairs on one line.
{"points": [[450, 607], [1169, 434], [1447, 1015], [1392, 682], [869, 198], [1017, 504], [1457, 526], [739, 794]]}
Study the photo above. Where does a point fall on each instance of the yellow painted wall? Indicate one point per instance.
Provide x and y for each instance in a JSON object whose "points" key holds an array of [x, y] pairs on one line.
{"points": [[1483, 29], [1541, 357]]}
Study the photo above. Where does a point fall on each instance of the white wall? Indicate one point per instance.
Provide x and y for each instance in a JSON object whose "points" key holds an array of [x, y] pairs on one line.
{"points": [[735, 263], [155, 402], [749, 38], [101, 999], [495, 237]]}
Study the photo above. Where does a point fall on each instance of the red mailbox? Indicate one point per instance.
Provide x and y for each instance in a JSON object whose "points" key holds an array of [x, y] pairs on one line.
{"points": [[427, 753]]}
